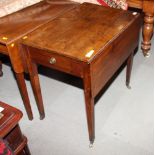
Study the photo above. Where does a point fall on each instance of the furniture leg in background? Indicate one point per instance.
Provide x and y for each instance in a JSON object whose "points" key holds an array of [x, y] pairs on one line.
{"points": [[148, 9], [147, 6]]}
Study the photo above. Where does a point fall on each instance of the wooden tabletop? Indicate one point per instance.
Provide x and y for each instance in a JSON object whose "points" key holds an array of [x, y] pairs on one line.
{"points": [[82, 32], [19, 24], [10, 119]]}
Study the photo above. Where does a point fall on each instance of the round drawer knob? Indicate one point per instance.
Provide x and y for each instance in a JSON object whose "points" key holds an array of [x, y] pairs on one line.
{"points": [[52, 61]]}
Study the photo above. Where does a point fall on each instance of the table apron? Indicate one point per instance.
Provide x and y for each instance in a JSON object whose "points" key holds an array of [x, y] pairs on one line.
{"points": [[64, 64]]}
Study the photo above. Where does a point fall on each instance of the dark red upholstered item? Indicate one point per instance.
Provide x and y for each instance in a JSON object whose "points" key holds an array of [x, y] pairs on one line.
{"points": [[4, 148]]}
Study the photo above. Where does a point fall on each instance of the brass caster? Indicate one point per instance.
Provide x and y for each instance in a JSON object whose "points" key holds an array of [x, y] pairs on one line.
{"points": [[91, 145], [128, 86], [147, 55], [30, 118], [42, 116]]}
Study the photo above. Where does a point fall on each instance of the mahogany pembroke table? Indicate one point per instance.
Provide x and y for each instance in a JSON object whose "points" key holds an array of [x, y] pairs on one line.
{"points": [[90, 42]]}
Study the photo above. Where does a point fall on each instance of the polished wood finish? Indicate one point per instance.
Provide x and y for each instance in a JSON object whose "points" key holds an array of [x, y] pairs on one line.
{"points": [[15, 27], [10, 130], [19, 24], [86, 46], [76, 32], [147, 7]]}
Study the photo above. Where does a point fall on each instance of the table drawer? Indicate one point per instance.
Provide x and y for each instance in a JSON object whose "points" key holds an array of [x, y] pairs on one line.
{"points": [[55, 61]]}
